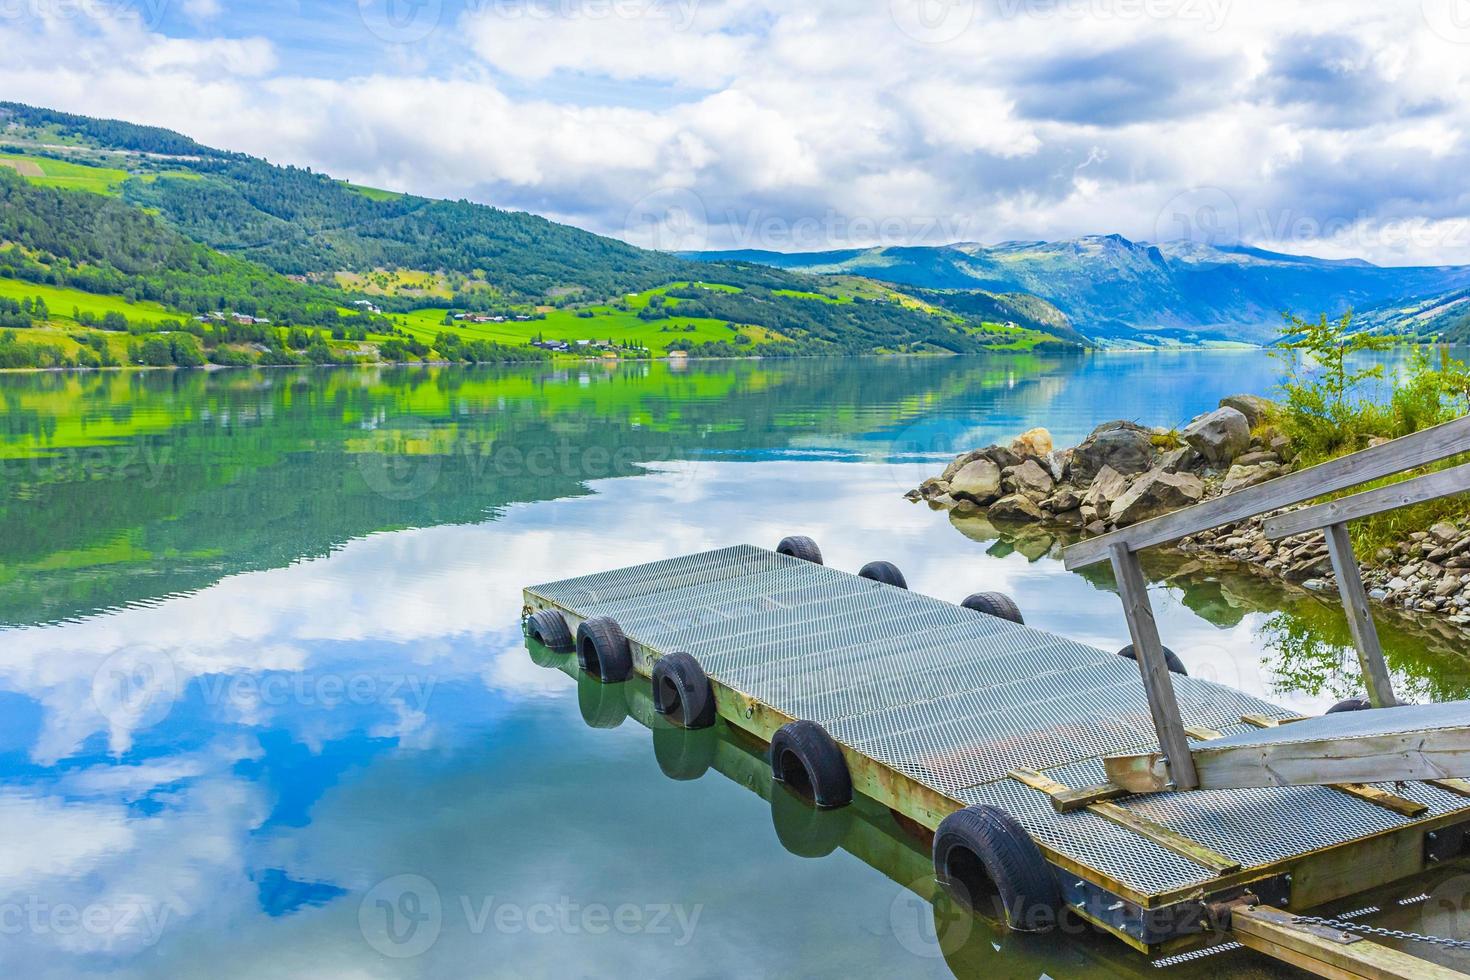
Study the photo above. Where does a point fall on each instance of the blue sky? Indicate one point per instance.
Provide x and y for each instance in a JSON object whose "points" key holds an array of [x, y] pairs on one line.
{"points": [[1333, 128]]}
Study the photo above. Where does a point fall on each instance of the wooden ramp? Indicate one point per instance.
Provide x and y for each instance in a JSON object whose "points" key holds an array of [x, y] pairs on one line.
{"points": [[936, 707], [1420, 742]]}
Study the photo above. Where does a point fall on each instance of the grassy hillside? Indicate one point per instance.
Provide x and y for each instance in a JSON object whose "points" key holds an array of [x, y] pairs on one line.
{"points": [[275, 264]]}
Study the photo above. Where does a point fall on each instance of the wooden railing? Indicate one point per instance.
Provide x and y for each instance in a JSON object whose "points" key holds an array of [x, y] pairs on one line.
{"points": [[1121, 548]]}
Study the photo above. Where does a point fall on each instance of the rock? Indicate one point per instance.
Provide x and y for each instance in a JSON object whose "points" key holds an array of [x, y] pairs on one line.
{"points": [[1002, 457], [1182, 460], [966, 508], [1397, 584], [1251, 459], [1241, 477], [1309, 568], [1219, 436], [1028, 478], [1107, 486], [1069, 518], [1255, 408], [1377, 594], [1032, 442], [1089, 514], [1063, 500], [978, 481], [1315, 585], [1016, 507], [1056, 463], [1281, 446], [1155, 493], [1124, 446], [1096, 528], [1447, 586], [1375, 441], [1444, 533], [960, 462], [913, 495]]}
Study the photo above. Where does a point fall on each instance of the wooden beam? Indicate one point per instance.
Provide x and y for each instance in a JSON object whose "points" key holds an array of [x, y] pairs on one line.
{"points": [[1360, 618], [1158, 683], [1431, 486], [1164, 837], [1065, 799], [1371, 794], [1328, 952], [1266, 721], [1202, 733], [1393, 457], [1423, 754]]}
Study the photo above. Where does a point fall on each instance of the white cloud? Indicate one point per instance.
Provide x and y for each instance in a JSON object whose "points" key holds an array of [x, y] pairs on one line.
{"points": [[1024, 120]]}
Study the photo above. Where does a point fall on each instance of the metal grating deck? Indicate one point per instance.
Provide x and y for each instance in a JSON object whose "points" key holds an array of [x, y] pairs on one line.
{"points": [[956, 699]]}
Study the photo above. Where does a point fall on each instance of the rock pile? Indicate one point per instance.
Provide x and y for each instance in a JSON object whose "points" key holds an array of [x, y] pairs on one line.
{"points": [[1124, 473]]}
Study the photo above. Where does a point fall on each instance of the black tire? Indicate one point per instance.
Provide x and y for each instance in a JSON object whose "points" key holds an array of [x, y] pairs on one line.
{"points": [[804, 757], [1171, 659], [995, 604], [602, 705], [1350, 704], [549, 628], [805, 830], [681, 691], [884, 571], [800, 546], [982, 855], [602, 650], [684, 754]]}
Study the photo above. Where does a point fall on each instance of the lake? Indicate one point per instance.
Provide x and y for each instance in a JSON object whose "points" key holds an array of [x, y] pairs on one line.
{"points": [[266, 710]]}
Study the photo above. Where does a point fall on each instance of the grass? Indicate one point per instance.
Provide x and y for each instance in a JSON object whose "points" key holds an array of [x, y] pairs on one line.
{"points": [[66, 175], [63, 301], [372, 193], [619, 322]]}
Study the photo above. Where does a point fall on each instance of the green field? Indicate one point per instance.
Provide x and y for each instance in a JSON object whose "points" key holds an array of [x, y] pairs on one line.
{"points": [[64, 174], [606, 322], [63, 301]]}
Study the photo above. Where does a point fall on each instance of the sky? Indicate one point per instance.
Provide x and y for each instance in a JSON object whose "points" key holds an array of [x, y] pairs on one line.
{"points": [[1339, 129]]}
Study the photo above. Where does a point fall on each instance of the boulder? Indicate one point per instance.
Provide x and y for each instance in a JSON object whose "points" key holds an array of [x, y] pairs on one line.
{"points": [[1106, 487], [1032, 442], [1181, 460], [977, 481], [1016, 507], [960, 462], [1122, 445], [1251, 459], [1002, 456], [1444, 533], [1155, 493], [1241, 476], [1068, 518], [1255, 408], [1219, 436], [1028, 478], [1063, 500]]}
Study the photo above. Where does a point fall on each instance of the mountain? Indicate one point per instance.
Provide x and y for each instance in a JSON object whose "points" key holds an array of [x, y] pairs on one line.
{"points": [[1135, 292], [257, 260], [1443, 316]]}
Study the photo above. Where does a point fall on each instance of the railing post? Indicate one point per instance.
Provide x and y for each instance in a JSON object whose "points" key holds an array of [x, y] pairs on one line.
{"points": [[1360, 619], [1158, 683]]}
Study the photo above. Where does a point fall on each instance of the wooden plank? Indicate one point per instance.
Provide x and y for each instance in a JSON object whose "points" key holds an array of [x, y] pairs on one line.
{"points": [[1065, 799], [1393, 457], [1414, 755], [1329, 952], [1266, 721], [1378, 797], [1431, 486], [1459, 787], [1158, 683], [1202, 733], [1156, 832], [1360, 618]]}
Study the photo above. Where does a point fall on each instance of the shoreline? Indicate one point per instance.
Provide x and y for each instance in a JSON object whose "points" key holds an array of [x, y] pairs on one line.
{"points": [[1124, 473]]}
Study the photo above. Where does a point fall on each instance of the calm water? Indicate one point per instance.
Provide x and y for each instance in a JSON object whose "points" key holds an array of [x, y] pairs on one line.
{"points": [[265, 709]]}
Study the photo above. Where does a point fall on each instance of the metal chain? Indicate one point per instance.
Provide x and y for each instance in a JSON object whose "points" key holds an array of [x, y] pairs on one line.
{"points": [[1359, 927]]}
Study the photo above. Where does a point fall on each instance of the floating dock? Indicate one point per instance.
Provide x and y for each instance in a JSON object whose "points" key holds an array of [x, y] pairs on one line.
{"points": [[936, 707]]}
